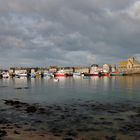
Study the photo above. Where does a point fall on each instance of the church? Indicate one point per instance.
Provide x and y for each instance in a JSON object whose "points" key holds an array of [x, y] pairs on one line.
{"points": [[131, 65]]}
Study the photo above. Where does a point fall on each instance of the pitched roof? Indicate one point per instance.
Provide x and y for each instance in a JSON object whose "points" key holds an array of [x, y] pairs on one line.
{"points": [[123, 63]]}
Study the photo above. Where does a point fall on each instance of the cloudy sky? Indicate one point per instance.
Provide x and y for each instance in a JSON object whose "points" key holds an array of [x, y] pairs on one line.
{"points": [[68, 32]]}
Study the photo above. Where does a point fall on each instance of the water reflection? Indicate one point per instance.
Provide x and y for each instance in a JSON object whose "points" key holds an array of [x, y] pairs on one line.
{"points": [[94, 88]]}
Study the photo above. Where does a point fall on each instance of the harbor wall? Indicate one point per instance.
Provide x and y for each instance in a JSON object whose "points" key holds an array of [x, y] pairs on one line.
{"points": [[130, 71]]}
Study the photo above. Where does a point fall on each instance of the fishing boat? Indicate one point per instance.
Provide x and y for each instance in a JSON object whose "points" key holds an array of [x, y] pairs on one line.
{"points": [[60, 73], [118, 74]]}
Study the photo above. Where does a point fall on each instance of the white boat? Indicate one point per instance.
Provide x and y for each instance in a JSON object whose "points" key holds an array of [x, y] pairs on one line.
{"points": [[76, 74], [5, 75], [21, 75], [48, 75], [56, 80]]}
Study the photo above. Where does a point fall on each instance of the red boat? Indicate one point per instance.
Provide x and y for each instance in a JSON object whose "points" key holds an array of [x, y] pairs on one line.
{"points": [[105, 74], [60, 73]]}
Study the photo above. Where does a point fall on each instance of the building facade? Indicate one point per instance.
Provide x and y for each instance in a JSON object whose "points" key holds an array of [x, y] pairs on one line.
{"points": [[94, 68], [81, 69], [130, 66], [106, 68]]}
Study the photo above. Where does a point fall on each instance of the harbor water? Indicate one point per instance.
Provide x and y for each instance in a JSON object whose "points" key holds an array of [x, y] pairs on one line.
{"points": [[121, 89]]}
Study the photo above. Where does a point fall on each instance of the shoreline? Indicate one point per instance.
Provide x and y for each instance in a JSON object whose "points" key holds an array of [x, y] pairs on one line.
{"points": [[79, 121]]}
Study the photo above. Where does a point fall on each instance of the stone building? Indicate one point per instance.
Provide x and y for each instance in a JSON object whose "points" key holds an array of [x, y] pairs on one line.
{"points": [[133, 63], [130, 66]]}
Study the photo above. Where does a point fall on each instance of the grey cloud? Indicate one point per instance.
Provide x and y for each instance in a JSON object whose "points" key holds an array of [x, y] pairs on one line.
{"points": [[63, 32]]}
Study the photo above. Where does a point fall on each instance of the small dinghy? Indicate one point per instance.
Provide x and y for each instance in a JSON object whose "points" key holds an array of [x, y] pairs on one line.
{"points": [[56, 80]]}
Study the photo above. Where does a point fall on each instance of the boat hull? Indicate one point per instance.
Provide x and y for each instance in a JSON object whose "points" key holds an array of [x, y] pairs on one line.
{"points": [[21, 75], [118, 74], [76, 74], [5, 76], [105, 74], [59, 74]]}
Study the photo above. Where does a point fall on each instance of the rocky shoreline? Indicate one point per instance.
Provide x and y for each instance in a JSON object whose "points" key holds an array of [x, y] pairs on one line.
{"points": [[80, 121]]}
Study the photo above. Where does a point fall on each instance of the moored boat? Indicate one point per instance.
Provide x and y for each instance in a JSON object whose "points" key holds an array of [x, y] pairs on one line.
{"points": [[105, 74], [48, 75], [5, 75], [56, 80], [96, 73], [118, 74], [60, 73], [76, 74], [20, 75]]}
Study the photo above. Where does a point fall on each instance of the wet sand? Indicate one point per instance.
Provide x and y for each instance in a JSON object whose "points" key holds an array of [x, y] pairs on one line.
{"points": [[79, 121]]}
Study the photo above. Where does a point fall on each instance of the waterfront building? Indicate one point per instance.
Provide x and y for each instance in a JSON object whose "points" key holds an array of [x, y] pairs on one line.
{"points": [[133, 63], [94, 68], [11, 71], [17, 70], [106, 68], [52, 69], [130, 66], [33, 71], [45, 71], [67, 70], [123, 64], [20, 70], [113, 68], [81, 69]]}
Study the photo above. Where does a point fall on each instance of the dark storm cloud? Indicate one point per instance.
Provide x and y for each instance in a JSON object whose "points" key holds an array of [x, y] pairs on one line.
{"points": [[63, 32]]}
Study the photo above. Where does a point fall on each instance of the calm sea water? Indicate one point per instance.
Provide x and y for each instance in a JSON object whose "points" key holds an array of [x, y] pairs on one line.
{"points": [[69, 90]]}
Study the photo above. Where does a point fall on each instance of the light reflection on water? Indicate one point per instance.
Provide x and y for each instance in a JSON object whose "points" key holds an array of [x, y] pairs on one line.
{"points": [[67, 90]]}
